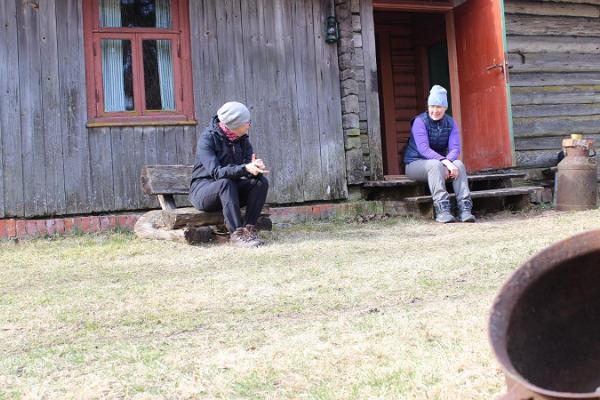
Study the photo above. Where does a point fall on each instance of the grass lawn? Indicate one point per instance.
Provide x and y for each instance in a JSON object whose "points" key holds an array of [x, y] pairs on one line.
{"points": [[386, 310]]}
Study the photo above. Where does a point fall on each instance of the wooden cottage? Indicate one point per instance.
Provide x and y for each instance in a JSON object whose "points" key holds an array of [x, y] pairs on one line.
{"points": [[92, 90]]}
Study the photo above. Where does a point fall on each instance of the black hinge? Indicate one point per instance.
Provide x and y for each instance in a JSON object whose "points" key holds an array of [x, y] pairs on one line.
{"points": [[97, 96], [179, 50], [94, 49]]}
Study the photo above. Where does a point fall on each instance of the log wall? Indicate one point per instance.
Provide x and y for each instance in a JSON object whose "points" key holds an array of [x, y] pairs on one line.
{"points": [[554, 51]]}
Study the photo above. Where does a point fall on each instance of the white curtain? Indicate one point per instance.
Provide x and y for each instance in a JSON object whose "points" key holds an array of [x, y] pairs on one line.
{"points": [[112, 59], [165, 61]]}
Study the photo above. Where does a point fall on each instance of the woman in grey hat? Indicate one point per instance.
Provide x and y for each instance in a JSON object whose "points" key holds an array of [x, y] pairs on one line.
{"points": [[432, 157], [227, 175]]}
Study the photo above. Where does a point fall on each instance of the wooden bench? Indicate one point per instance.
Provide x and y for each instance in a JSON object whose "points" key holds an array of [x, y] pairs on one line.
{"points": [[180, 223]]}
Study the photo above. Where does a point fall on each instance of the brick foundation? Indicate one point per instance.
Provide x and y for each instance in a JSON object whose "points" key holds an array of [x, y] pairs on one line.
{"points": [[31, 228], [20, 229]]}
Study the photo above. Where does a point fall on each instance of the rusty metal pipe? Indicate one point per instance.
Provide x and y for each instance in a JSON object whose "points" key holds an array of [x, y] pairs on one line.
{"points": [[545, 323]]}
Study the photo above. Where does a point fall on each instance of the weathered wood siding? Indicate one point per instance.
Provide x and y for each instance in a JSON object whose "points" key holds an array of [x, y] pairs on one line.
{"points": [[271, 54], [274, 59], [554, 50]]}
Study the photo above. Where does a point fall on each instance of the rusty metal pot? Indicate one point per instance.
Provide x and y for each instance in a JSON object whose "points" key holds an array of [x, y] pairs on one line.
{"points": [[577, 177], [545, 323]]}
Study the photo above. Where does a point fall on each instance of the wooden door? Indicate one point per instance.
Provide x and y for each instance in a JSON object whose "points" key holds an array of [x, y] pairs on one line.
{"points": [[486, 138]]}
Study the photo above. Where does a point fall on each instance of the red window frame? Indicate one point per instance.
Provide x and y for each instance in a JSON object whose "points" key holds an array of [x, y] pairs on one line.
{"points": [[178, 34]]}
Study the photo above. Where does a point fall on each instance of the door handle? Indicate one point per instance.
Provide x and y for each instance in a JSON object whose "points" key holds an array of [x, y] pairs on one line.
{"points": [[491, 67]]}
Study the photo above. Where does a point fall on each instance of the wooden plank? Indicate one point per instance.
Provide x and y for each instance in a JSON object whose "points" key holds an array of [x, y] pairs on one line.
{"points": [[557, 26], [31, 110], [330, 112], [372, 90], [230, 50], [306, 92], [255, 38], [576, 94], [101, 170], [544, 143], [122, 143], [542, 44], [556, 126], [268, 64], [150, 158], [137, 157], [166, 147], [73, 111], [552, 8], [555, 110], [11, 184], [537, 158], [208, 95], [596, 2], [166, 179], [481, 194], [51, 111], [553, 62], [547, 142], [403, 180], [554, 79], [186, 145], [289, 179], [180, 217]]}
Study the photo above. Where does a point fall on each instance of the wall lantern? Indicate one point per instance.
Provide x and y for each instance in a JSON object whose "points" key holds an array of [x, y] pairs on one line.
{"points": [[331, 30]]}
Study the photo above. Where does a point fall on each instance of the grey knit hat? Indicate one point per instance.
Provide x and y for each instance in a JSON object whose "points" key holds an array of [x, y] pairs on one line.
{"points": [[437, 96], [233, 114]]}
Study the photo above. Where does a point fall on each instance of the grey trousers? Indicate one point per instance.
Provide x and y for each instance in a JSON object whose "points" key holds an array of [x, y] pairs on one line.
{"points": [[433, 172]]}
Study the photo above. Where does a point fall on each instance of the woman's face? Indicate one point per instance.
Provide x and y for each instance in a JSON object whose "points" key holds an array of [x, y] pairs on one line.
{"points": [[436, 112], [242, 130]]}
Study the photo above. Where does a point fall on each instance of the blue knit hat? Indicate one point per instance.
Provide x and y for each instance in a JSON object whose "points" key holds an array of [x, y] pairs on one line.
{"points": [[233, 114], [437, 96]]}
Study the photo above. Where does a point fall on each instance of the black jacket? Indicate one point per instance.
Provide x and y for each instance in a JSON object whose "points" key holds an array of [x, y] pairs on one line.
{"points": [[217, 157]]}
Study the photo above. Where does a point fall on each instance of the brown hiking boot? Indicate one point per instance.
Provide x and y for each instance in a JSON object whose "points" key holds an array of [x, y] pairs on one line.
{"points": [[253, 230], [241, 237]]}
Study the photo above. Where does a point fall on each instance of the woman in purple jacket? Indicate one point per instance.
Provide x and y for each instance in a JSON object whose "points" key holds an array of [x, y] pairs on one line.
{"points": [[432, 157]]}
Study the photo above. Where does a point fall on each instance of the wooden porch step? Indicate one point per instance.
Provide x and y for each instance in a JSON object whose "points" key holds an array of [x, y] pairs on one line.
{"points": [[480, 194], [403, 180]]}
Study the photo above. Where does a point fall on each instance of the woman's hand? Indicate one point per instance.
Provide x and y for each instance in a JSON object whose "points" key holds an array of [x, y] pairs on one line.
{"points": [[453, 170], [256, 166]]}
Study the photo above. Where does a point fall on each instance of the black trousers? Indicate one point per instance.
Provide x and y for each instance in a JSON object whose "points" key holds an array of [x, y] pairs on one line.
{"points": [[229, 195]]}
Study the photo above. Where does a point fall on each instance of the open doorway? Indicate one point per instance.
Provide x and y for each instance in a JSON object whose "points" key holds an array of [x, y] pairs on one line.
{"points": [[412, 55], [459, 45]]}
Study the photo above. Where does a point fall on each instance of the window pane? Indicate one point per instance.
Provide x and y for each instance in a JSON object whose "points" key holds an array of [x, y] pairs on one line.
{"points": [[135, 13], [117, 75], [158, 75]]}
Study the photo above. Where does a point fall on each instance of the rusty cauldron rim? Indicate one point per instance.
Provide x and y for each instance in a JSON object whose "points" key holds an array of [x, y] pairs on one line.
{"points": [[516, 285]]}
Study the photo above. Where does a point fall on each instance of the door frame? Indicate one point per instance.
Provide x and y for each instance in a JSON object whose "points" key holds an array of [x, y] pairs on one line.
{"points": [[447, 8]]}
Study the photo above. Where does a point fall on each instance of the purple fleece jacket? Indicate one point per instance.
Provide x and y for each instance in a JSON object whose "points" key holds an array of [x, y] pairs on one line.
{"points": [[422, 141]]}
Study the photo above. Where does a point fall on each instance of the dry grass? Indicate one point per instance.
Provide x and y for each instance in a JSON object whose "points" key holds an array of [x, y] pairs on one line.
{"points": [[388, 310]]}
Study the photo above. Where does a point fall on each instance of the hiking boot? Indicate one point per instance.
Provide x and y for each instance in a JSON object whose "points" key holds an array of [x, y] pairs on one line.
{"points": [[464, 211], [253, 230], [241, 237], [442, 211]]}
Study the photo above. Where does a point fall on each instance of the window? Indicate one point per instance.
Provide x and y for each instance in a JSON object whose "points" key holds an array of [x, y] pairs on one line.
{"points": [[138, 64]]}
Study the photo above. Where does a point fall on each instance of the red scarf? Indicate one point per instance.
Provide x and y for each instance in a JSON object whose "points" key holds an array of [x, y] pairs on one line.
{"points": [[228, 132]]}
